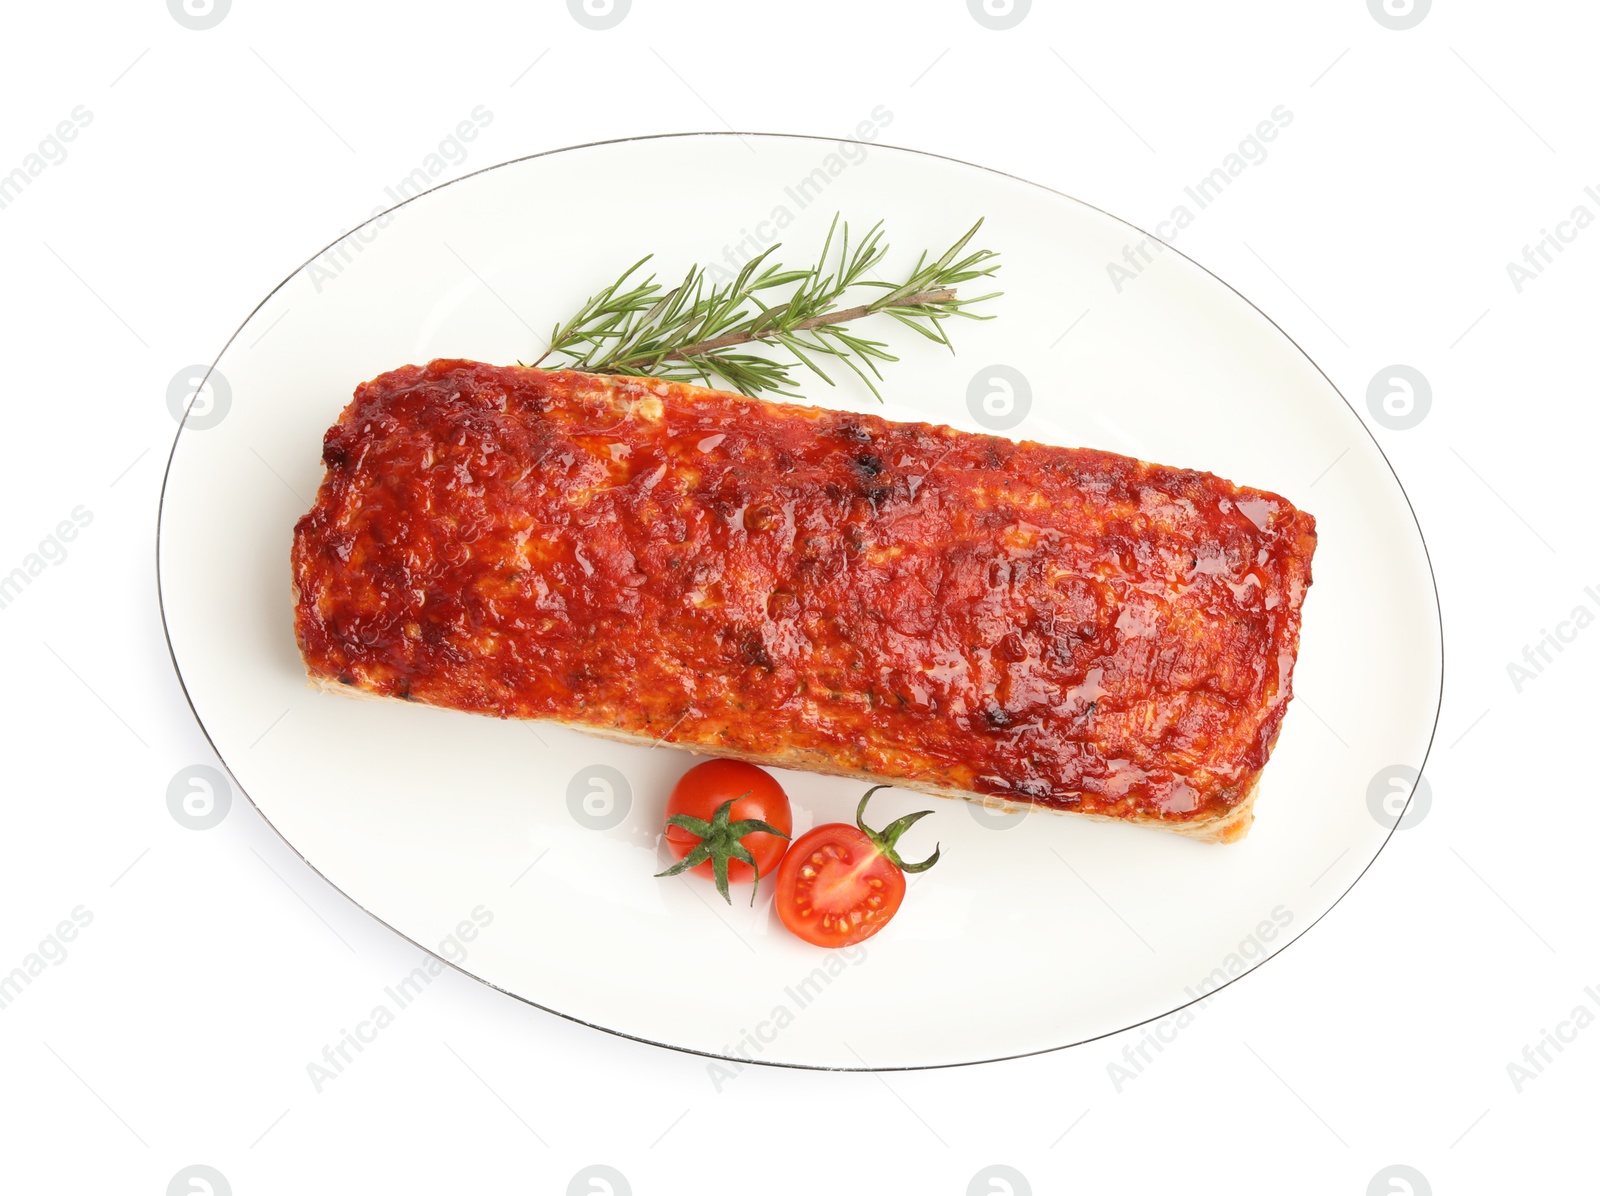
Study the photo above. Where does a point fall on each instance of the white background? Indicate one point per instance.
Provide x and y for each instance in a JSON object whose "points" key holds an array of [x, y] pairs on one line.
{"points": [[178, 1028]]}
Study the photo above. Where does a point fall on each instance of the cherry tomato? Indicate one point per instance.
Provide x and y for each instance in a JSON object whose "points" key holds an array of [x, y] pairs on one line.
{"points": [[724, 839], [840, 884]]}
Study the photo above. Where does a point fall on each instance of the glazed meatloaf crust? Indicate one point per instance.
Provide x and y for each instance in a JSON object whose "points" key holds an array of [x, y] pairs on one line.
{"points": [[961, 614]]}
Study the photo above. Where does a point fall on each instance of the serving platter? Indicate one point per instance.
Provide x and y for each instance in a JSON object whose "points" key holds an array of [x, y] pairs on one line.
{"points": [[1036, 931]]}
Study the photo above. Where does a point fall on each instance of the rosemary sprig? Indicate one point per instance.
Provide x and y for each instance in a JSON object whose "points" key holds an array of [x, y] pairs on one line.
{"points": [[688, 334]]}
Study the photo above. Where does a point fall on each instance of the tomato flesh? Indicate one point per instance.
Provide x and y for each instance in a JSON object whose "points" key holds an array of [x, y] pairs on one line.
{"points": [[755, 794], [836, 888]]}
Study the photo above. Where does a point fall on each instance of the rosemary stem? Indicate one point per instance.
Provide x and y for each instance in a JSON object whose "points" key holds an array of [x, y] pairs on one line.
{"points": [[844, 315]]}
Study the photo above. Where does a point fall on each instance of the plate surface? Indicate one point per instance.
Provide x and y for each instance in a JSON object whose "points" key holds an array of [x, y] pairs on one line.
{"points": [[1034, 932]]}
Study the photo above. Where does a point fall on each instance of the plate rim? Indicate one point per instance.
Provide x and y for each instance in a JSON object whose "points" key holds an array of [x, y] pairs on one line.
{"points": [[1427, 556]]}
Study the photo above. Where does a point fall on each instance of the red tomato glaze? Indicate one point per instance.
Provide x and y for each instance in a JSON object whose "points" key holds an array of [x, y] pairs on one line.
{"points": [[822, 589]]}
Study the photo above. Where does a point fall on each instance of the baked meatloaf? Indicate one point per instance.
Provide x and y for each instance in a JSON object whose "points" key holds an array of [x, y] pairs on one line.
{"points": [[961, 614]]}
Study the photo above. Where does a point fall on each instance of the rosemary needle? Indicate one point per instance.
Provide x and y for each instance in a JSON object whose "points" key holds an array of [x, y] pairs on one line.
{"points": [[690, 333]]}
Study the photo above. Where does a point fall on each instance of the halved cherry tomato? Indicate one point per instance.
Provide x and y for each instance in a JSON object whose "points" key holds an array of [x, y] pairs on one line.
{"points": [[734, 816], [840, 884]]}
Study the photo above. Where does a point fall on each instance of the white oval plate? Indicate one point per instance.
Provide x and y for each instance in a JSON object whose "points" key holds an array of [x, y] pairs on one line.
{"points": [[1033, 932]]}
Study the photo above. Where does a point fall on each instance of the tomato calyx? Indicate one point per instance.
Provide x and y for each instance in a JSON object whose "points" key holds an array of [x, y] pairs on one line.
{"points": [[886, 839], [720, 842]]}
